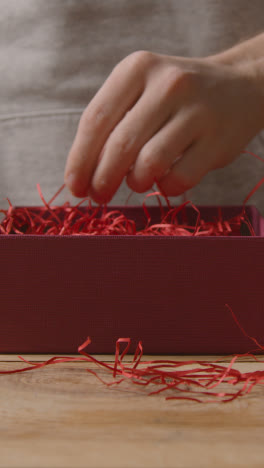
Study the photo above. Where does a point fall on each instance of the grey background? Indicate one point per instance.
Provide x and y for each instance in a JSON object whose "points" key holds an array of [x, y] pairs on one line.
{"points": [[55, 54]]}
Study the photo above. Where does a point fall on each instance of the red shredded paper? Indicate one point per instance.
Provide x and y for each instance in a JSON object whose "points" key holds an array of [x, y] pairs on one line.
{"points": [[71, 220], [198, 379], [74, 220]]}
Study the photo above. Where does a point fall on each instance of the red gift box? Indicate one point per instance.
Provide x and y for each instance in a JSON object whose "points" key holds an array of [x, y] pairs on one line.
{"points": [[168, 291]]}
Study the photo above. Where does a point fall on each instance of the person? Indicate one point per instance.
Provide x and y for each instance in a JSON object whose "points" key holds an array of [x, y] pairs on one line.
{"points": [[170, 91]]}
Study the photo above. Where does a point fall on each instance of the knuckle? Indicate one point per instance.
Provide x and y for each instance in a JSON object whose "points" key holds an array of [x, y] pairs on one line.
{"points": [[122, 144], [101, 185], [155, 159], [140, 59], [151, 164], [180, 80], [137, 64], [95, 118]]}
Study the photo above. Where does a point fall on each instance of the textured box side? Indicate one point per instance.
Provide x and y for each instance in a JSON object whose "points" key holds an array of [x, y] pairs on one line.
{"points": [[170, 292], [261, 228]]}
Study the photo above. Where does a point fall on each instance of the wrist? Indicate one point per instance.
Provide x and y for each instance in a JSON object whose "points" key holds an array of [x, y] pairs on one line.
{"points": [[254, 71], [250, 69], [243, 52]]}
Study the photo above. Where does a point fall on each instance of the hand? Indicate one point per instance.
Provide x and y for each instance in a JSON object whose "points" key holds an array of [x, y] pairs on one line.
{"points": [[167, 118]]}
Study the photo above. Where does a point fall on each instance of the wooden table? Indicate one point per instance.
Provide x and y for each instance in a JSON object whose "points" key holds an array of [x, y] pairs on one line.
{"points": [[62, 416]]}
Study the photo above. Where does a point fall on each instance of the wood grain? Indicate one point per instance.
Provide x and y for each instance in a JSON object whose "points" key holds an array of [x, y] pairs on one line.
{"points": [[62, 416]]}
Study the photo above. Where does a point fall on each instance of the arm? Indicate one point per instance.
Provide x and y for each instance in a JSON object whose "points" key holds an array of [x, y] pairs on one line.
{"points": [[245, 52], [248, 54]]}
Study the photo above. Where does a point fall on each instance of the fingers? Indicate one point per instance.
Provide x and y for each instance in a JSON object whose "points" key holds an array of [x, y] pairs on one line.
{"points": [[121, 150], [187, 171], [118, 94], [144, 123], [160, 152]]}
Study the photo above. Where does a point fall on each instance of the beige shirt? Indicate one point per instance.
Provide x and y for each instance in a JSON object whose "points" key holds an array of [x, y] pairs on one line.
{"points": [[55, 54]]}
